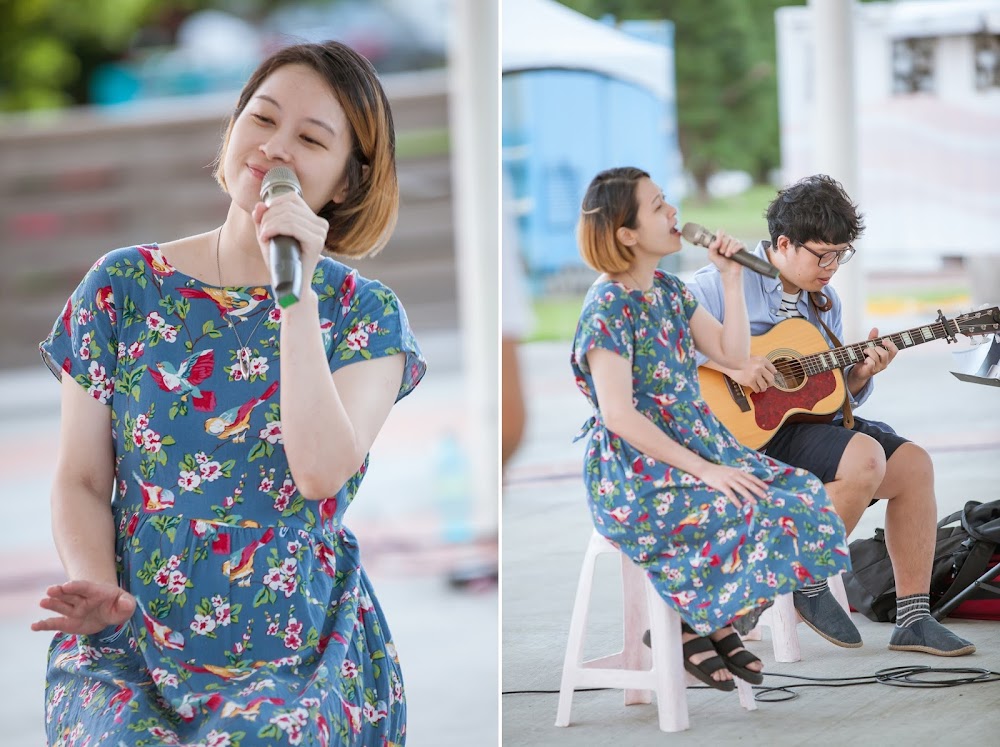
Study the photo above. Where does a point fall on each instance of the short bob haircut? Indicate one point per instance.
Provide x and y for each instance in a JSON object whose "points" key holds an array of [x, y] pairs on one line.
{"points": [[362, 224], [609, 204]]}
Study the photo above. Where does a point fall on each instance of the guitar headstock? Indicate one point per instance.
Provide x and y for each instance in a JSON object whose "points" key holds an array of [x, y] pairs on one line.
{"points": [[979, 322]]}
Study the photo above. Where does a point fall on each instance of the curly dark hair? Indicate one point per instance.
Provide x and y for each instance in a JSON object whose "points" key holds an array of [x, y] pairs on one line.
{"points": [[815, 208]]}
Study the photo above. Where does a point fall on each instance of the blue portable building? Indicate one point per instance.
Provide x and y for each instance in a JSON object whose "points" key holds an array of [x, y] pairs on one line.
{"points": [[579, 96]]}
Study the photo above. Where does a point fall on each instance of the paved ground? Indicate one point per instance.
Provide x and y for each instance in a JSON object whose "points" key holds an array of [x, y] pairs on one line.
{"points": [[546, 528], [447, 639]]}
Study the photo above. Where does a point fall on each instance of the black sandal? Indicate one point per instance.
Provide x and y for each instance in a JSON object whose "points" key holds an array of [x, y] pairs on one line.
{"points": [[703, 671], [737, 663]]}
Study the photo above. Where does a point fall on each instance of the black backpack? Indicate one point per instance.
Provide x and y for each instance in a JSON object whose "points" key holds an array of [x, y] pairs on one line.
{"points": [[965, 561]]}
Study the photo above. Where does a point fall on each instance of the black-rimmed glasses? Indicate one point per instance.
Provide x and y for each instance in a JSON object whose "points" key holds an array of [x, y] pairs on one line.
{"points": [[841, 257]]}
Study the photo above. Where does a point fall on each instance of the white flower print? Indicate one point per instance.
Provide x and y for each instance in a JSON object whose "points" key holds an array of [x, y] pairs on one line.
{"points": [[189, 480], [177, 582], [154, 321], [222, 615], [271, 433], [203, 624], [218, 739], [210, 471], [357, 339], [151, 441]]}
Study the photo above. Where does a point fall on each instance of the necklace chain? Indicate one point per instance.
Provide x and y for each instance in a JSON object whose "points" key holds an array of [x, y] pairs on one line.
{"points": [[243, 354], [638, 286]]}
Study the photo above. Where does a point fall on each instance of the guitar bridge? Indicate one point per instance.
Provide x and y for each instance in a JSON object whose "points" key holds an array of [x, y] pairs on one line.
{"points": [[738, 394]]}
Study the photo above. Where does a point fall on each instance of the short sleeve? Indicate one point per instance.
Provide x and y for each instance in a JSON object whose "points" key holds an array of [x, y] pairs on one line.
{"points": [[688, 302], [374, 326], [84, 339], [606, 322]]}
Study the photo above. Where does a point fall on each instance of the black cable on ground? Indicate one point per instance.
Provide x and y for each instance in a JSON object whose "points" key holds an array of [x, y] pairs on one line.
{"points": [[908, 676]]}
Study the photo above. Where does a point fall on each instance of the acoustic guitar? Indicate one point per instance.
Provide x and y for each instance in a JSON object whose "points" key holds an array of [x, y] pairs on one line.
{"points": [[809, 385]]}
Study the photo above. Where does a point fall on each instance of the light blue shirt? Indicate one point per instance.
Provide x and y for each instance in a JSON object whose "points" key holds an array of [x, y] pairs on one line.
{"points": [[763, 297]]}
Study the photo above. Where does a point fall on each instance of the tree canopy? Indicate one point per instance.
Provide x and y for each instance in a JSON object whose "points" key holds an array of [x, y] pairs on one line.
{"points": [[727, 90]]}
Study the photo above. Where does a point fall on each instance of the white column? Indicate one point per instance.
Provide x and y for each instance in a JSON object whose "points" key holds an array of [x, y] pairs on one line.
{"points": [[835, 138], [474, 114]]}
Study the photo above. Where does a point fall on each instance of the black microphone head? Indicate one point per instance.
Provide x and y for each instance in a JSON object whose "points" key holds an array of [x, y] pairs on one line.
{"points": [[278, 181], [697, 234]]}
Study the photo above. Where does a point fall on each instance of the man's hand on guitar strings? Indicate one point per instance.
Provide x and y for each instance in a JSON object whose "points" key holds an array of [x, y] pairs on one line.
{"points": [[758, 373], [877, 358]]}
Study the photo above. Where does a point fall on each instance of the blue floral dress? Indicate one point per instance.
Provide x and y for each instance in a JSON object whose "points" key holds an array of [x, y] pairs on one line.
{"points": [[708, 559], [255, 623]]}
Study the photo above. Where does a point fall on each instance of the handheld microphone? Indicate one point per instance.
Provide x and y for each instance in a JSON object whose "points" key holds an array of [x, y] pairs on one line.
{"points": [[286, 259], [703, 237]]}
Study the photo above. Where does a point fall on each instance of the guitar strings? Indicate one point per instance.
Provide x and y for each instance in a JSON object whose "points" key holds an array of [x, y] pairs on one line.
{"points": [[809, 364]]}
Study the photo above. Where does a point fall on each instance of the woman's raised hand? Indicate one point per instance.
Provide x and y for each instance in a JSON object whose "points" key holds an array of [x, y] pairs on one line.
{"points": [[723, 247], [289, 215], [85, 607]]}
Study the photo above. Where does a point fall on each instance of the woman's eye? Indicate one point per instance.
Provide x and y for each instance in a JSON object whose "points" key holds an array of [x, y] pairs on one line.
{"points": [[310, 140], [261, 118]]}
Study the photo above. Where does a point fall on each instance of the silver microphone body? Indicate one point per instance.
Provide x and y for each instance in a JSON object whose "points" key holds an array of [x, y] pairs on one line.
{"points": [[701, 236], [285, 253]]}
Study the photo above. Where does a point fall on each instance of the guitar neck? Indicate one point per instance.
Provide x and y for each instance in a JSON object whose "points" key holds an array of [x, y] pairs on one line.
{"points": [[849, 354]]}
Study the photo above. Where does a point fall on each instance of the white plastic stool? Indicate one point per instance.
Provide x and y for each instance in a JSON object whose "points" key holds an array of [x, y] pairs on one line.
{"points": [[782, 619], [638, 669]]}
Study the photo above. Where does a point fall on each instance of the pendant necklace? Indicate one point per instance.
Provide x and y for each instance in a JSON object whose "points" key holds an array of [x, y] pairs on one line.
{"points": [[243, 353], [648, 294]]}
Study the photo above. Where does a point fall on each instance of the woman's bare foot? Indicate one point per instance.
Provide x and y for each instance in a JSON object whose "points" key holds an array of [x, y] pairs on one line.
{"points": [[720, 675]]}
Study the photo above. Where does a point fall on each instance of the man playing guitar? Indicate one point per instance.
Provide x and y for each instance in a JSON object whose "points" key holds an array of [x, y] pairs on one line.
{"points": [[812, 224]]}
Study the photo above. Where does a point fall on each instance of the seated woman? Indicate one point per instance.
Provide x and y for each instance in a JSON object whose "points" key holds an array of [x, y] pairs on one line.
{"points": [[720, 529]]}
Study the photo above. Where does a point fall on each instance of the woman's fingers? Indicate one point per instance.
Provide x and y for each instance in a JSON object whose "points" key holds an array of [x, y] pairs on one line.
{"points": [[59, 606], [50, 623]]}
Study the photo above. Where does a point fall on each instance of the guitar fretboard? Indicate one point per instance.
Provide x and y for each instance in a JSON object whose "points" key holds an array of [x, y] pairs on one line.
{"points": [[850, 354]]}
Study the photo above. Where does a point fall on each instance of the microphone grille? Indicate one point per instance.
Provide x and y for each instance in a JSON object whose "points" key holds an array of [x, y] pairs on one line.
{"points": [[281, 178], [696, 234]]}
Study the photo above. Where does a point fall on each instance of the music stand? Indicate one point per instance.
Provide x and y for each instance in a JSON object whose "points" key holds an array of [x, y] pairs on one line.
{"points": [[979, 364]]}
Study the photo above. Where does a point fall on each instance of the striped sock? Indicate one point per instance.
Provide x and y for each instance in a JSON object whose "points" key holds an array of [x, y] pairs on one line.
{"points": [[813, 590], [911, 608]]}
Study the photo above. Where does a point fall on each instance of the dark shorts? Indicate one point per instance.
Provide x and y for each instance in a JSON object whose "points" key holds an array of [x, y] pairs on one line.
{"points": [[818, 447]]}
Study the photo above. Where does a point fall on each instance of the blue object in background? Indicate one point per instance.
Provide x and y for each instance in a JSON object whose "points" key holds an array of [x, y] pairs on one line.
{"points": [[559, 128]]}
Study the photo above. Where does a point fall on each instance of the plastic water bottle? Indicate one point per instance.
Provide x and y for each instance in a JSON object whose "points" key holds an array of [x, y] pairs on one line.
{"points": [[452, 483]]}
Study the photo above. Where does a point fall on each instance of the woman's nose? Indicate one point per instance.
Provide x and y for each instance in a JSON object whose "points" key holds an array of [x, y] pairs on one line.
{"points": [[275, 147]]}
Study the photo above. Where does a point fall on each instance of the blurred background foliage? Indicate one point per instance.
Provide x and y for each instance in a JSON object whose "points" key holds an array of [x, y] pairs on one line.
{"points": [[58, 53], [727, 87], [48, 48]]}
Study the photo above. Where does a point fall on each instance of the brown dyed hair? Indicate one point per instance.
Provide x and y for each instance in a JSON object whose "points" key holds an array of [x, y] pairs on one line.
{"points": [[609, 204], [362, 224]]}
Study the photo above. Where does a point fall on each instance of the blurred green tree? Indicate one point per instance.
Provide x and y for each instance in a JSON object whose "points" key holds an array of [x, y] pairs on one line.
{"points": [[727, 89], [46, 46], [49, 48]]}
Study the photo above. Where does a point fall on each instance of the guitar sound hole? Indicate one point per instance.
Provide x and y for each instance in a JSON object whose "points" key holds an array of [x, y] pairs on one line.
{"points": [[790, 373]]}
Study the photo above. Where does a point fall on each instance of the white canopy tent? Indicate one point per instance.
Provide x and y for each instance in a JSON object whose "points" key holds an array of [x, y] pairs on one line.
{"points": [[542, 34]]}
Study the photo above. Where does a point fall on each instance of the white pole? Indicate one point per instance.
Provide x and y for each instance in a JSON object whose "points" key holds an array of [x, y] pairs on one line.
{"points": [[474, 114], [834, 129]]}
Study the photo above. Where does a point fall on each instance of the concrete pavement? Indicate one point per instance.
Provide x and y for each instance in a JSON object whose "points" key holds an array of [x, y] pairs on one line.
{"points": [[545, 531], [447, 639]]}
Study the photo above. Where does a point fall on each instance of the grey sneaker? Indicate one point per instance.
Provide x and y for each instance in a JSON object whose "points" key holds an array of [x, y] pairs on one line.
{"points": [[930, 637], [824, 614]]}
